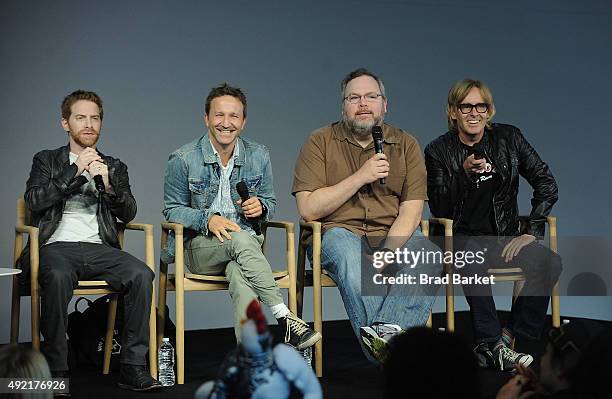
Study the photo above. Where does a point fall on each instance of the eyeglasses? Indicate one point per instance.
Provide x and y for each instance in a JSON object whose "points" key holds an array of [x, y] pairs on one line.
{"points": [[481, 108], [356, 98]]}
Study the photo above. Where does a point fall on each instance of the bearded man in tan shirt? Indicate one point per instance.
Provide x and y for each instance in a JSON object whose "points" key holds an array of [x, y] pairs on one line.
{"points": [[338, 182]]}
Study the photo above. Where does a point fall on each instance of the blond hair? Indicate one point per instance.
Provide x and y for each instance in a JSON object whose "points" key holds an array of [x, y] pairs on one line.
{"points": [[459, 91]]}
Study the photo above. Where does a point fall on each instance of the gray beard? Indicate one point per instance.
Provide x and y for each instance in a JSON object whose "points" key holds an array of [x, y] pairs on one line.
{"points": [[361, 130]]}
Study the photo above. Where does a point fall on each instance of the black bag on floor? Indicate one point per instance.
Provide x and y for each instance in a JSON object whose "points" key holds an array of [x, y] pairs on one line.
{"points": [[87, 331]]}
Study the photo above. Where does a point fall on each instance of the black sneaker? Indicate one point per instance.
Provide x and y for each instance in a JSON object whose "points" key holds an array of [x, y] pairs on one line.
{"points": [[484, 356], [297, 332], [506, 359], [137, 378], [376, 338]]}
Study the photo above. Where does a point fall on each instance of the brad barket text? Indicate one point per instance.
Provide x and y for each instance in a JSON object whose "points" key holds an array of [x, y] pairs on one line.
{"points": [[425, 279]]}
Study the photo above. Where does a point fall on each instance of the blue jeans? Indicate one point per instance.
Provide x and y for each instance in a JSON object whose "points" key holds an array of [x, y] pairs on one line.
{"points": [[341, 257]]}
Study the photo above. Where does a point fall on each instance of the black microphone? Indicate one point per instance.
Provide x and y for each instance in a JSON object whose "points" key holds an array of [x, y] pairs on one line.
{"points": [[377, 135], [478, 151], [99, 183], [243, 192]]}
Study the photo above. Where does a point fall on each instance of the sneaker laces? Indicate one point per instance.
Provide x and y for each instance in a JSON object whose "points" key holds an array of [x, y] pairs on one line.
{"points": [[509, 354], [294, 325], [385, 332]]}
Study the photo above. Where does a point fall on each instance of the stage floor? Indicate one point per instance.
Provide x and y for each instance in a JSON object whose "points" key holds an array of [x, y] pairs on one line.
{"points": [[346, 372]]}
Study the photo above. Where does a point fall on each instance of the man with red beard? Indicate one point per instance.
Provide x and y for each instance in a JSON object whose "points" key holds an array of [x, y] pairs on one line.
{"points": [[473, 178], [76, 194]]}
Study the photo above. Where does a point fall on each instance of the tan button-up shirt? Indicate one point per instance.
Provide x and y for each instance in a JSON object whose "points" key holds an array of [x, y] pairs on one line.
{"points": [[331, 154]]}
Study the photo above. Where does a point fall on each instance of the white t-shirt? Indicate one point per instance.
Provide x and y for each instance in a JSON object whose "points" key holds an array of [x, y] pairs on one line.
{"points": [[79, 221]]}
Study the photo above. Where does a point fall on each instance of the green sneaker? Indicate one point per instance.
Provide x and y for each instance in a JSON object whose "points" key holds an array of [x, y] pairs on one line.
{"points": [[376, 338]]}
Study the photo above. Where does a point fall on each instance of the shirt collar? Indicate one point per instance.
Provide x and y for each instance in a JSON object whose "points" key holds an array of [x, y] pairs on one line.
{"points": [[341, 132], [234, 155]]}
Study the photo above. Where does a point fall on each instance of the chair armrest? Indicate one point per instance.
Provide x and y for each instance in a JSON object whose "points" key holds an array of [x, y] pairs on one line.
{"points": [[281, 224], [313, 226], [20, 230], [176, 227], [289, 228], [139, 226], [447, 223], [24, 229], [149, 241], [179, 261]]}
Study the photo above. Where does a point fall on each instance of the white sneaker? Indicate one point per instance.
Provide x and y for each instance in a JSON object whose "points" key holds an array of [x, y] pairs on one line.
{"points": [[376, 338]]}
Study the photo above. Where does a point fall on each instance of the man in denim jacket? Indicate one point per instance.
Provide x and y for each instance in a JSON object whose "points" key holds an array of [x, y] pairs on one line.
{"points": [[200, 193]]}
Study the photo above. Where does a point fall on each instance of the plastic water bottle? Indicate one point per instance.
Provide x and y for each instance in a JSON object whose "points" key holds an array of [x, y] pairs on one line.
{"points": [[166, 363], [307, 355]]}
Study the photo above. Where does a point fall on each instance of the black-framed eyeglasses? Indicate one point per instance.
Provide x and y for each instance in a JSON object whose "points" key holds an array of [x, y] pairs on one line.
{"points": [[466, 108], [369, 97]]}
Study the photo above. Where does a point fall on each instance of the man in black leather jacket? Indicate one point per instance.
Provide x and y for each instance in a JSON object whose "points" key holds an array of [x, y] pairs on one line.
{"points": [[473, 178], [76, 195]]}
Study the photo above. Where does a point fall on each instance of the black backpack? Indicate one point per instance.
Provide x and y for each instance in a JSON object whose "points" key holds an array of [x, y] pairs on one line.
{"points": [[87, 331]]}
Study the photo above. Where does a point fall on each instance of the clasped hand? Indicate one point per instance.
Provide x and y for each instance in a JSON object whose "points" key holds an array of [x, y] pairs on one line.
{"points": [[89, 160]]}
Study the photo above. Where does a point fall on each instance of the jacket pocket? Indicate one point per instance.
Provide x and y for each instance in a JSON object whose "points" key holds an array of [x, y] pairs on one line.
{"points": [[253, 183], [199, 190]]}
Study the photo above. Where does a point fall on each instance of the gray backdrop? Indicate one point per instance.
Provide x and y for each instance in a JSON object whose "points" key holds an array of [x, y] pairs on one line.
{"points": [[153, 63]]}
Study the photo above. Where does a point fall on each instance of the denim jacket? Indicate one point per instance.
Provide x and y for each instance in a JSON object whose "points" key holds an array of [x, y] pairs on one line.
{"points": [[192, 181]]}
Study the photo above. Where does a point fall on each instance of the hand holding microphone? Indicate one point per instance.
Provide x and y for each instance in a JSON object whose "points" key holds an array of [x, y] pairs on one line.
{"points": [[377, 167], [85, 158], [251, 206], [99, 171], [476, 161], [377, 135], [89, 160]]}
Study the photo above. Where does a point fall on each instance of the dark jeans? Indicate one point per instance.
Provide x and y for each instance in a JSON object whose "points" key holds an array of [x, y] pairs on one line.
{"points": [[62, 264], [541, 267]]}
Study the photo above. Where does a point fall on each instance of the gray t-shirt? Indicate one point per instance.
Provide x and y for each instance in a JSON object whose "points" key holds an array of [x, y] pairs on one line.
{"points": [[79, 221]]}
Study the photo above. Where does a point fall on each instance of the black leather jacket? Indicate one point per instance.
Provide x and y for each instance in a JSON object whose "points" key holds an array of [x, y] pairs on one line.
{"points": [[52, 180], [511, 155]]}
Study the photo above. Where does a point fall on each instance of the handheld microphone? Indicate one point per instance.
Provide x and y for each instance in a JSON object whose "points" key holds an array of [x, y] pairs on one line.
{"points": [[243, 192], [478, 151], [99, 183], [377, 135]]}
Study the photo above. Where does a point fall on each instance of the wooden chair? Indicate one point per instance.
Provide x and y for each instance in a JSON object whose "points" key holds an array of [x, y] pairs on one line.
{"points": [[516, 275], [85, 287], [182, 281], [318, 278]]}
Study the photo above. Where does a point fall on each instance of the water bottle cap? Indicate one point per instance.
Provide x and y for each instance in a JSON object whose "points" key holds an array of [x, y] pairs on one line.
{"points": [[165, 339]]}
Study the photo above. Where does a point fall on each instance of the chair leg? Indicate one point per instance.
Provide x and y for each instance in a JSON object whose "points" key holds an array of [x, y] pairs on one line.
{"points": [[108, 338], [555, 304], [318, 325], [35, 299], [180, 336], [301, 265], [450, 307], [518, 287], [15, 312], [161, 302], [153, 336]]}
